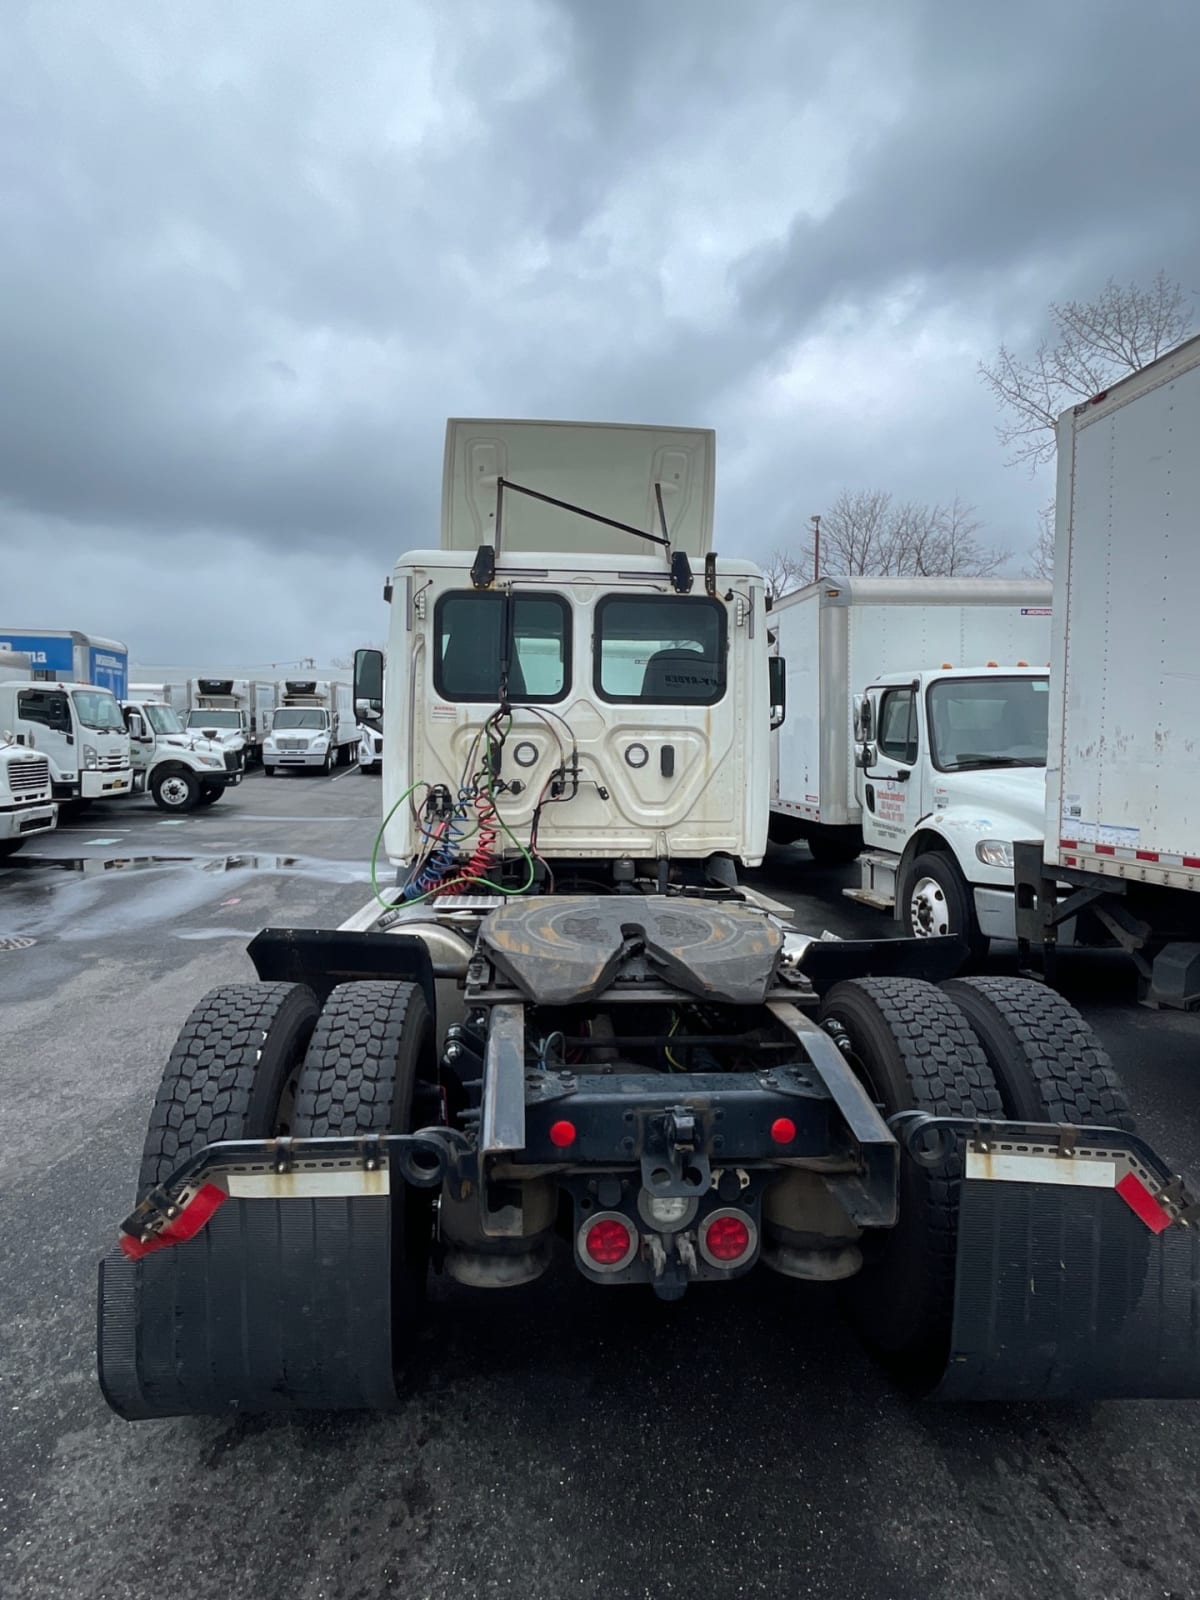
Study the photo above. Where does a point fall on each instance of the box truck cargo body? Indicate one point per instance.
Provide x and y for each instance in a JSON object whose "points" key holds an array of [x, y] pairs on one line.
{"points": [[64, 655], [1122, 826]]}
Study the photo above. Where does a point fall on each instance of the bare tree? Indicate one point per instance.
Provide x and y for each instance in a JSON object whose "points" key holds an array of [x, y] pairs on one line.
{"points": [[1041, 557], [865, 532], [786, 570], [1093, 343]]}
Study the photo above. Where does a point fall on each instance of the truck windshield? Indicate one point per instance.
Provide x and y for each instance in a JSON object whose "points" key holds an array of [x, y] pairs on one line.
{"points": [[163, 719], [301, 717], [97, 710], [214, 719], [660, 651], [988, 722]]}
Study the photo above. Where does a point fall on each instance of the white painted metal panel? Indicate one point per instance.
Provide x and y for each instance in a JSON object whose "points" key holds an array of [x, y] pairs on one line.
{"points": [[1124, 771]]}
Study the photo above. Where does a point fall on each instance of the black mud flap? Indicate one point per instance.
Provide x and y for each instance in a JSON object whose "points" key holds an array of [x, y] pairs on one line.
{"points": [[272, 1306], [1065, 1292]]}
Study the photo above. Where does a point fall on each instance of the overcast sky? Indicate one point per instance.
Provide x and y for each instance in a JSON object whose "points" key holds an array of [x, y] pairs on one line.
{"points": [[253, 254]]}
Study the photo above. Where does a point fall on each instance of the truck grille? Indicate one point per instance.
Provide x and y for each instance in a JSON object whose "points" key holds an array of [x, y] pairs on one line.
{"points": [[293, 744], [113, 763], [30, 780]]}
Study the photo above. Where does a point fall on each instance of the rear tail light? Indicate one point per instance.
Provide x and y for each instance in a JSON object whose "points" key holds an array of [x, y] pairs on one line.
{"points": [[607, 1242], [727, 1238]]}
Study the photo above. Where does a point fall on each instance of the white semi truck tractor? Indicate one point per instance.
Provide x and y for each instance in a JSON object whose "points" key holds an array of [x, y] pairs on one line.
{"points": [[566, 1035]]}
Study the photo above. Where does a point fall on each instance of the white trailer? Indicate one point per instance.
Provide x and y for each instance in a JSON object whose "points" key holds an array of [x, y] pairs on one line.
{"points": [[235, 712], [314, 726], [1122, 825]]}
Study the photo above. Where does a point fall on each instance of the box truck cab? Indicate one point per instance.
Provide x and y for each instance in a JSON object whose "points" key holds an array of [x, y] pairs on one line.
{"points": [[79, 729], [26, 806], [178, 769], [950, 772], [315, 726]]}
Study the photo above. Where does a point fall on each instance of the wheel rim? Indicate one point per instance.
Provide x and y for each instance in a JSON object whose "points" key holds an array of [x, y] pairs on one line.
{"points": [[174, 791], [928, 909]]}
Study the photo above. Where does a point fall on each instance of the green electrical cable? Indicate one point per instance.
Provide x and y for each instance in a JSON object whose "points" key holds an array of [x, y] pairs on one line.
{"points": [[486, 883]]}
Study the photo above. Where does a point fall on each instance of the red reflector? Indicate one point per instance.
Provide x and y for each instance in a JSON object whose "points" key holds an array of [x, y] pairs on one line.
{"points": [[783, 1130], [1142, 1203], [607, 1241], [562, 1134], [185, 1226], [727, 1238]]}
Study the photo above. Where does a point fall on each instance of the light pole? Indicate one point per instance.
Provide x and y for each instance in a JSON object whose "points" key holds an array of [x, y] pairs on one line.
{"points": [[816, 525]]}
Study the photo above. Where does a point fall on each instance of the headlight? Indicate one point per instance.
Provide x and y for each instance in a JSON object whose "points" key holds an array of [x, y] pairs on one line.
{"points": [[995, 852], [210, 761], [321, 738], [90, 759]]}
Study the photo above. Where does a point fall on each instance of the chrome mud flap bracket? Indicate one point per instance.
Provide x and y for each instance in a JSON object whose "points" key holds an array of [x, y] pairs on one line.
{"points": [[1078, 1266]]}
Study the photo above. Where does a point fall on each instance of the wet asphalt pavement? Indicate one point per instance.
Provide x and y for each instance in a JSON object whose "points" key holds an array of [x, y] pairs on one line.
{"points": [[557, 1440]]}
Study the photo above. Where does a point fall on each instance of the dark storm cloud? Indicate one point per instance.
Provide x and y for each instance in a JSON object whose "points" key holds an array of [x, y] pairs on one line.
{"points": [[253, 256]]}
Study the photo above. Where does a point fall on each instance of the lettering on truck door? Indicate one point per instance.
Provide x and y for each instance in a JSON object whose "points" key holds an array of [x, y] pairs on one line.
{"points": [[892, 787]]}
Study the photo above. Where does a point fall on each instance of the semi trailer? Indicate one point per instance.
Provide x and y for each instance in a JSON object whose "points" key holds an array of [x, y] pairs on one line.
{"points": [[566, 1035]]}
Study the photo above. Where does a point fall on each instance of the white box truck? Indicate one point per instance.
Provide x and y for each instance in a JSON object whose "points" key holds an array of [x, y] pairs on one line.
{"points": [[1122, 825], [79, 730], [940, 686], [314, 726], [234, 712], [179, 768]]}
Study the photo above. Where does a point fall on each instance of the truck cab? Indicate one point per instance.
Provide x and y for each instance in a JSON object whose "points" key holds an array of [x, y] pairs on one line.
{"points": [[79, 729], [635, 687], [233, 712], [179, 769], [26, 806], [951, 771]]}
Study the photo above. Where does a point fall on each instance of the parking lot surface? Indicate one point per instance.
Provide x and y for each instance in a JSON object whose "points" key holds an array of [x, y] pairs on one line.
{"points": [[556, 1440]]}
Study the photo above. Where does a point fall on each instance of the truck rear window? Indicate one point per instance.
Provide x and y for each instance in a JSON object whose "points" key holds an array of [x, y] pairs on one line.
{"points": [[665, 651], [469, 637]]}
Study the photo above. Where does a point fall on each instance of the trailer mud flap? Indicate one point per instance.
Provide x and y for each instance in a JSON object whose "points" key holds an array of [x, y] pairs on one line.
{"points": [[272, 1306], [1067, 1291]]}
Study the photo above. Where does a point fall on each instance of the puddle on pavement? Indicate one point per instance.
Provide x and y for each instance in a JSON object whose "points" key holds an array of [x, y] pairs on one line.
{"points": [[96, 866]]}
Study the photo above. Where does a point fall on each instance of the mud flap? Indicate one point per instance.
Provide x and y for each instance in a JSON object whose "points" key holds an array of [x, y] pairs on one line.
{"points": [[274, 1305], [1064, 1292]]}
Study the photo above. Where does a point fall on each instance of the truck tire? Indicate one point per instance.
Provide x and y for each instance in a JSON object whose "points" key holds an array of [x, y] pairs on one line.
{"points": [[327, 764], [372, 1045], [915, 1051], [224, 1078], [210, 793], [937, 901], [1048, 1064], [176, 789], [268, 769], [9, 847]]}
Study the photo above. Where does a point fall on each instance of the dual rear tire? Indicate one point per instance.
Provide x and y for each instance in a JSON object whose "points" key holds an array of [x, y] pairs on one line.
{"points": [[986, 1048], [256, 1060]]}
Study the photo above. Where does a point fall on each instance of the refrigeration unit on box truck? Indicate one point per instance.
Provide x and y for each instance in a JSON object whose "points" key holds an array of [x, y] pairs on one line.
{"points": [[1122, 824], [64, 655]]}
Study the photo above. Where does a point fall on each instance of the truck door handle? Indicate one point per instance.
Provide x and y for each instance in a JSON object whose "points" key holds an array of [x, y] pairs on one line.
{"points": [[901, 775], [666, 760]]}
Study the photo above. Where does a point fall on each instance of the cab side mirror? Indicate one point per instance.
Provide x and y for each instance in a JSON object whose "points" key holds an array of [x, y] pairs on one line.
{"points": [[368, 676], [777, 682], [135, 725], [864, 720]]}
